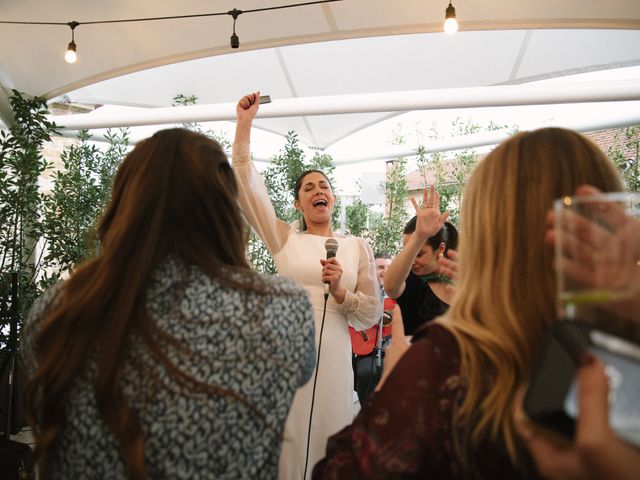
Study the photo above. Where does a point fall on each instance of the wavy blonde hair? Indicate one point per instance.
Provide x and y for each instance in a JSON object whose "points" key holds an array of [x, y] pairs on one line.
{"points": [[506, 292]]}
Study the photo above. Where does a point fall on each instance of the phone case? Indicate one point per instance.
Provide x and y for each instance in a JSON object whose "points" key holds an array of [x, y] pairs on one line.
{"points": [[551, 399]]}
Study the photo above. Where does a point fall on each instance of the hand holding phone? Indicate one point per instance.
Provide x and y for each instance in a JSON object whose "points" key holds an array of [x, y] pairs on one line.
{"points": [[596, 453], [551, 399], [262, 99]]}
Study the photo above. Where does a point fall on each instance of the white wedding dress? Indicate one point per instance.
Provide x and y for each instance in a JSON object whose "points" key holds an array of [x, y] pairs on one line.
{"points": [[297, 256]]}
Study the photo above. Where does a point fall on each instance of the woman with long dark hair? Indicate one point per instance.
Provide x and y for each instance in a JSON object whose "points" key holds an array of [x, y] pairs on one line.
{"points": [[165, 356], [352, 292]]}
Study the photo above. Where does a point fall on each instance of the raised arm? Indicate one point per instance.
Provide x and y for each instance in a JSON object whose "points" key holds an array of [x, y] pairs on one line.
{"points": [[363, 307], [253, 197], [429, 221]]}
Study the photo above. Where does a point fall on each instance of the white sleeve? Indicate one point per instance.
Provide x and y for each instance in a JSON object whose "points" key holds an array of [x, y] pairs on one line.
{"points": [[255, 203], [363, 307]]}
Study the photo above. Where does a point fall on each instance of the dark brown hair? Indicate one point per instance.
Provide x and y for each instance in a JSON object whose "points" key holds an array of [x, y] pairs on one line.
{"points": [[298, 185], [174, 196], [448, 235]]}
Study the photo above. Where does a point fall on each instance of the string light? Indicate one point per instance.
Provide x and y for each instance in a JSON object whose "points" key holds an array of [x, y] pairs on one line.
{"points": [[235, 41], [450, 22], [71, 55]]}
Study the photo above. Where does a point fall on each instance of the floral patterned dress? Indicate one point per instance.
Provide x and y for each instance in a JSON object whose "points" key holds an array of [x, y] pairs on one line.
{"points": [[260, 346]]}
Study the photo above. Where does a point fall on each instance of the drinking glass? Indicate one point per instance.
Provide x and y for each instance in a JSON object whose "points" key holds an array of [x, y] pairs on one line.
{"points": [[598, 261]]}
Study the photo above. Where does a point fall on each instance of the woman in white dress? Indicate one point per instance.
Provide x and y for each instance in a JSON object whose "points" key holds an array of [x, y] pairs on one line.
{"points": [[354, 297]]}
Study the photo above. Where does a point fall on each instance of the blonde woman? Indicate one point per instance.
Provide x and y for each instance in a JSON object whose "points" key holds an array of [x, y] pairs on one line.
{"points": [[445, 410]]}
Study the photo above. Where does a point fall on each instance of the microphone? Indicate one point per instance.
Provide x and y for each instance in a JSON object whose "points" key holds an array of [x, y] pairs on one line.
{"points": [[332, 247]]}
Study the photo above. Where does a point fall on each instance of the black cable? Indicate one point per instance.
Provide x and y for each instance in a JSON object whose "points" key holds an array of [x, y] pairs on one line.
{"points": [[315, 380], [377, 350], [374, 358], [169, 17]]}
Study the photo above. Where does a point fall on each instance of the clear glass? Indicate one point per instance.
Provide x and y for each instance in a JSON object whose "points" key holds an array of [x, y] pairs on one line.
{"points": [[598, 261]]}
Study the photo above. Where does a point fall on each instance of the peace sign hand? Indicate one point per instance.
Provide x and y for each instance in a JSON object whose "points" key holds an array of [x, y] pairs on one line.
{"points": [[428, 217]]}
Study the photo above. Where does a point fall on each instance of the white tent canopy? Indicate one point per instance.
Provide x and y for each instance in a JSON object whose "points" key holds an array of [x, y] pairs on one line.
{"points": [[349, 48]]}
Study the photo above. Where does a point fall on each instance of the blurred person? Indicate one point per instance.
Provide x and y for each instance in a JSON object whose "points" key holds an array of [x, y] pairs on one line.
{"points": [[382, 260], [596, 453], [165, 356], [445, 410], [353, 296], [449, 265], [602, 254], [368, 346]]}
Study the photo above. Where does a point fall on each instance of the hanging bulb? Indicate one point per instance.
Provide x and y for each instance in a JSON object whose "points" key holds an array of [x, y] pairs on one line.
{"points": [[450, 22], [71, 56], [235, 40]]}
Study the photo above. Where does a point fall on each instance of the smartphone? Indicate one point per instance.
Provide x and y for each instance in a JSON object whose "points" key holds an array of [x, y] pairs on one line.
{"points": [[551, 398], [264, 99]]}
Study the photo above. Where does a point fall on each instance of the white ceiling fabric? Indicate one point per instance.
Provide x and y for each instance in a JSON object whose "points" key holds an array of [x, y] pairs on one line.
{"points": [[341, 48]]}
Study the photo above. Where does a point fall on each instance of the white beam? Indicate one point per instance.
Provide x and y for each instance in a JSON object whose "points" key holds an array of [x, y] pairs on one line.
{"points": [[482, 139], [496, 96], [438, 145]]}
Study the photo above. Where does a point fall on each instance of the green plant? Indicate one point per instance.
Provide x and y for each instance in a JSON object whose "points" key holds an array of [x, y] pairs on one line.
{"points": [[386, 230], [21, 165], [81, 191], [628, 158], [45, 233], [451, 173], [357, 214]]}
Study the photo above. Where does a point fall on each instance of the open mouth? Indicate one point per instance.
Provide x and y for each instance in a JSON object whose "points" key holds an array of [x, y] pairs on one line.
{"points": [[321, 202]]}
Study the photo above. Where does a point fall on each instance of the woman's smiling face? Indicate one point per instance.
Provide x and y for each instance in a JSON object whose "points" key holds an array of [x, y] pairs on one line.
{"points": [[315, 198]]}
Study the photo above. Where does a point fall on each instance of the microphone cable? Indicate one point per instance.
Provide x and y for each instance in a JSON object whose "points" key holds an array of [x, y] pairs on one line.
{"points": [[378, 354], [315, 381]]}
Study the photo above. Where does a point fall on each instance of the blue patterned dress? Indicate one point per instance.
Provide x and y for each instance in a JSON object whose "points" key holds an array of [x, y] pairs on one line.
{"points": [[260, 346]]}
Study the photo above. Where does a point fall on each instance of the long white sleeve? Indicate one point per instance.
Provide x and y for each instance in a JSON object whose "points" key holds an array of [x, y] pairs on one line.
{"points": [[255, 203], [363, 307]]}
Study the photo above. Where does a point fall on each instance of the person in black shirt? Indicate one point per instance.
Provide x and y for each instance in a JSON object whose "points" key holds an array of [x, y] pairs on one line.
{"points": [[413, 278]]}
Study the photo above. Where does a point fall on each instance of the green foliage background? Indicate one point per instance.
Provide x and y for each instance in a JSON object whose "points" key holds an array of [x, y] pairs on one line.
{"points": [[44, 235], [81, 190], [629, 165], [21, 165]]}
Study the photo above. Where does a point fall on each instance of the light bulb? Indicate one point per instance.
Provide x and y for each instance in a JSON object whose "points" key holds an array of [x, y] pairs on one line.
{"points": [[450, 22], [235, 41], [450, 26], [71, 56]]}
